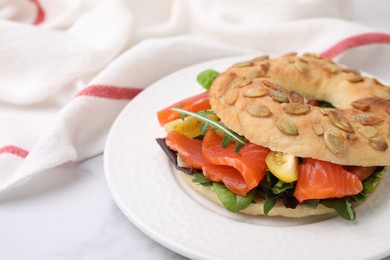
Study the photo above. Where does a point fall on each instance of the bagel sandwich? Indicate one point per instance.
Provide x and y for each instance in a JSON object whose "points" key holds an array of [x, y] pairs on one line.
{"points": [[293, 136]]}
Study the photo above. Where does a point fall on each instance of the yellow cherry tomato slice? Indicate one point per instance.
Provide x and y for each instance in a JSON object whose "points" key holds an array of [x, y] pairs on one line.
{"points": [[283, 166]]}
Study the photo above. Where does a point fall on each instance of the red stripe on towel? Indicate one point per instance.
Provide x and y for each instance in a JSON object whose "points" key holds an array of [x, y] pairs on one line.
{"points": [[109, 92], [14, 150], [40, 17], [356, 41]]}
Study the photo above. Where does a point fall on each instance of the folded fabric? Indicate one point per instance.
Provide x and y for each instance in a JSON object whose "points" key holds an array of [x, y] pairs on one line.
{"points": [[67, 73]]}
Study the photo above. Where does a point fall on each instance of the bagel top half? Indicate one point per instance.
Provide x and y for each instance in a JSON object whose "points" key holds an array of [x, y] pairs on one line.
{"points": [[265, 100]]}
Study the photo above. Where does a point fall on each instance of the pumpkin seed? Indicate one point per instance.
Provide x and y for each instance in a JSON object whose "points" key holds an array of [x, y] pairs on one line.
{"points": [[301, 65], [279, 96], [383, 92], [261, 58], [368, 131], [356, 79], [377, 82], [296, 109], [242, 64], [367, 119], [244, 83], [231, 96], [340, 121], [311, 55], [318, 129], [333, 69], [274, 86], [258, 111], [255, 92], [265, 66], [325, 110], [290, 54], [353, 71], [286, 126], [335, 142], [378, 143], [361, 104], [295, 97]]}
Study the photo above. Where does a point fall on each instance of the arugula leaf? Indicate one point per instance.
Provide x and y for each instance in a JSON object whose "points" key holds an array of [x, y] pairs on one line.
{"points": [[269, 203], [207, 77], [231, 201], [214, 125], [226, 141], [204, 127], [201, 179], [369, 185], [282, 186], [342, 207]]}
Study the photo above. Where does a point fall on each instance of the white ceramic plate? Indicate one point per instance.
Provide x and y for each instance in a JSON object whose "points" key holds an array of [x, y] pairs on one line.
{"points": [[147, 190]]}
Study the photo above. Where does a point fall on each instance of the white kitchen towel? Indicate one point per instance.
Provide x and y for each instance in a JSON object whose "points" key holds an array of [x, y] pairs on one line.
{"points": [[68, 67]]}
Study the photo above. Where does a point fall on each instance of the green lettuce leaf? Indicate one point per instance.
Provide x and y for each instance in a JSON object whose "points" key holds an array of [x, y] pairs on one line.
{"points": [[269, 203], [231, 201], [207, 77], [369, 185], [343, 207], [201, 179]]}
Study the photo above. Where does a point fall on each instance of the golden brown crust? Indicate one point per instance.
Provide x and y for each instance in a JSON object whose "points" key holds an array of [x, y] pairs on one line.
{"points": [[261, 99], [257, 208]]}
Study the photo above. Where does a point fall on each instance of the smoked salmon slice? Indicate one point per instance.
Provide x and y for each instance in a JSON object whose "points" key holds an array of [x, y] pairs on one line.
{"points": [[193, 104], [321, 180], [232, 178], [250, 162], [190, 151]]}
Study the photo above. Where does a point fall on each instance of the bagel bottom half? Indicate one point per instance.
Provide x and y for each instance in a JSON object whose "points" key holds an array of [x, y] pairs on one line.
{"points": [[256, 209]]}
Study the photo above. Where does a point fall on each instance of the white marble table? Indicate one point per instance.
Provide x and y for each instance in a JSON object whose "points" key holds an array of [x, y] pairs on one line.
{"points": [[76, 218]]}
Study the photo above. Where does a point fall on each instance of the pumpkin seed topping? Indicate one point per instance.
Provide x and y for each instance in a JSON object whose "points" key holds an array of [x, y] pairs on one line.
{"points": [[377, 82], [286, 126], [356, 79], [367, 119], [340, 121], [261, 58], [383, 93], [274, 86], [295, 97], [265, 66], [255, 92], [325, 110], [335, 142], [301, 65], [296, 109], [258, 111], [244, 83], [353, 71], [242, 64], [361, 104], [368, 131], [290, 54], [231, 96], [378, 143], [279, 96], [318, 129], [311, 55]]}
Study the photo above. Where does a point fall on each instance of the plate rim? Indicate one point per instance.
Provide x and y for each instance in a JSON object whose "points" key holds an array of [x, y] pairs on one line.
{"points": [[116, 196]]}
